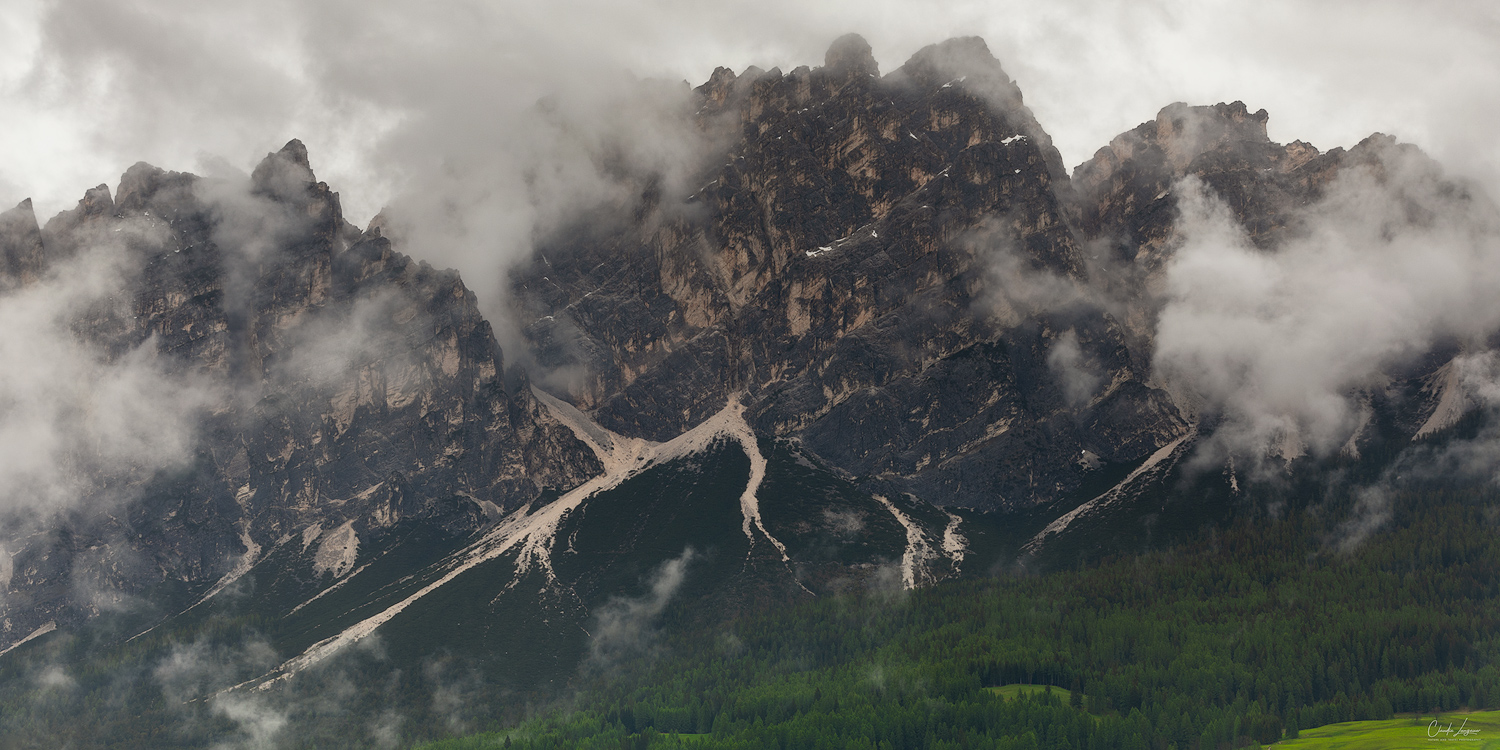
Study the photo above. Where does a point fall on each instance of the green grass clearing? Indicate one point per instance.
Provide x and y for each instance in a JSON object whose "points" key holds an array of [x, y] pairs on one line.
{"points": [[1011, 692], [1404, 733]]}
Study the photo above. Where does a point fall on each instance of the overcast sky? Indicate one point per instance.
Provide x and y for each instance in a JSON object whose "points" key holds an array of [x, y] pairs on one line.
{"points": [[88, 87]]}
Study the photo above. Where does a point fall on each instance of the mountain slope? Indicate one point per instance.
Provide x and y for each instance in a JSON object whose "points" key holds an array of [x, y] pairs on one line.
{"points": [[882, 339], [843, 267]]}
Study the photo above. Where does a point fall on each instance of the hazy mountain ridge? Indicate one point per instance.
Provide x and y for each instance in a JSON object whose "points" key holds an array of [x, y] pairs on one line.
{"points": [[899, 341], [842, 276], [336, 384]]}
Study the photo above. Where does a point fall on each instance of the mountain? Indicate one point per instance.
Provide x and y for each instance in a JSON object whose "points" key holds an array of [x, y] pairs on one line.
{"points": [[843, 281], [884, 339]]}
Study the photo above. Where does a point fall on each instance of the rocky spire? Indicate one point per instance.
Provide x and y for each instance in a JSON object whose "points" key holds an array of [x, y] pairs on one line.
{"points": [[22, 258], [850, 55], [286, 174]]}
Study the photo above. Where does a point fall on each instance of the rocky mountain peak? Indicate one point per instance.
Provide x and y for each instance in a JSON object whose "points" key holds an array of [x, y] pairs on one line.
{"points": [[937, 64], [1126, 191], [966, 64], [1184, 132], [295, 152], [886, 314], [285, 174], [716, 90], [836, 269], [62, 232], [850, 54], [96, 201], [379, 225], [19, 219], [21, 255]]}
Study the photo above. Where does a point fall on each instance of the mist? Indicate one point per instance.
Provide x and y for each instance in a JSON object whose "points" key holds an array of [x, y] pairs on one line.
{"points": [[78, 420], [1391, 263], [433, 110], [626, 625]]}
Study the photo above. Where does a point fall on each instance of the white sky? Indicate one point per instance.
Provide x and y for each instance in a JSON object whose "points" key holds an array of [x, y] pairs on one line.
{"points": [[88, 87]]}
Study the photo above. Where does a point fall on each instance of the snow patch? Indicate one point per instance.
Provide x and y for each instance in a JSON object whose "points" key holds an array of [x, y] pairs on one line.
{"points": [[1012, 139]]}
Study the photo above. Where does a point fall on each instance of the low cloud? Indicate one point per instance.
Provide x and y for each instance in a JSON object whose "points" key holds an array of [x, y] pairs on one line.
{"points": [[330, 348], [258, 725], [199, 670], [1017, 287], [79, 420], [1447, 458], [1373, 507], [627, 625], [1076, 373], [54, 677], [1392, 262], [844, 522]]}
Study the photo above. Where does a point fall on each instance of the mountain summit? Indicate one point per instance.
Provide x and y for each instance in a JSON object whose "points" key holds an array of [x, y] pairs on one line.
{"points": [[885, 338]]}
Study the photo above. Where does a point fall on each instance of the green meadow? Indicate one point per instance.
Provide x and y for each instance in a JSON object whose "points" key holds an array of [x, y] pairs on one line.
{"points": [[1478, 730], [1011, 692]]}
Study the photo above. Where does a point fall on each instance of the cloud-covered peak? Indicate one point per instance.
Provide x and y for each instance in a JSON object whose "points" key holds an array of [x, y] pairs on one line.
{"points": [[20, 245], [286, 173], [1184, 131], [850, 53], [957, 57], [96, 201]]}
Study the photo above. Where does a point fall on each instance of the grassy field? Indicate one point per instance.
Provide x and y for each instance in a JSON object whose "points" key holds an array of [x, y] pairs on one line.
{"points": [[1479, 730], [1010, 692]]}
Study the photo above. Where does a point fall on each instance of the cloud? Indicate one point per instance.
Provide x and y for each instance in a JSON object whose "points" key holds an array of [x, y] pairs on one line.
{"points": [[259, 725], [434, 108], [1079, 377], [844, 522], [54, 677], [327, 349], [385, 730], [1445, 459], [626, 625], [199, 670], [197, 674], [1393, 261], [79, 420], [1373, 508], [454, 692], [1017, 287]]}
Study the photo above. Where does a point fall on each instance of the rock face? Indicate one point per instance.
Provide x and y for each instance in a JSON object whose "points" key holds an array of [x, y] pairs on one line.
{"points": [[1127, 193], [22, 256], [344, 388], [884, 299], [892, 270]]}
